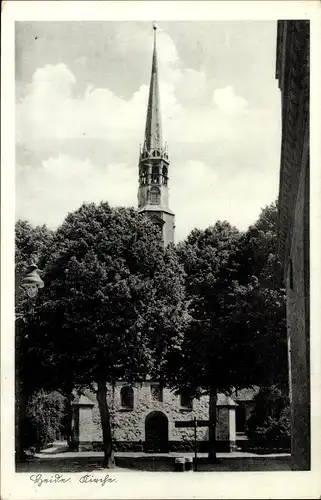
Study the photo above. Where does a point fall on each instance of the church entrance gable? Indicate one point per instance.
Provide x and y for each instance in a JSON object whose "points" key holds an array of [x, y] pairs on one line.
{"points": [[156, 433]]}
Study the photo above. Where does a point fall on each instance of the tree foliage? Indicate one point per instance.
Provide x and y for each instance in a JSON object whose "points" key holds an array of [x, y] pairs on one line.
{"points": [[259, 278], [256, 255], [114, 302], [200, 365], [45, 414], [203, 357], [112, 295], [208, 316], [269, 423], [237, 336], [32, 244]]}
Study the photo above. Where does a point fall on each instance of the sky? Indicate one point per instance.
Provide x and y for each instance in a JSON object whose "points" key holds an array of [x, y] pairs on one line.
{"points": [[81, 101]]}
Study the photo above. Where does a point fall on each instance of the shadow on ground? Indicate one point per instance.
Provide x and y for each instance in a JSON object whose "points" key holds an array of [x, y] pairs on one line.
{"points": [[60, 464], [205, 465], [152, 464]]}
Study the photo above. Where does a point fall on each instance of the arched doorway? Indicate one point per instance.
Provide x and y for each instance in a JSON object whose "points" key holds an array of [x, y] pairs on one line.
{"points": [[156, 432]]}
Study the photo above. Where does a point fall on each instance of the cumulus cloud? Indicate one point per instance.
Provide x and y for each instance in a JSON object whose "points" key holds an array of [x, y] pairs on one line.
{"points": [[166, 49], [61, 184], [198, 195], [227, 101], [50, 111], [201, 196], [191, 86]]}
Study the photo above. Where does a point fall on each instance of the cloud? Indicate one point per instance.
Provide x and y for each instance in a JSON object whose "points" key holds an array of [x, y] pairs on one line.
{"points": [[51, 110], [61, 184], [191, 86], [166, 49], [79, 138], [198, 196], [227, 101]]}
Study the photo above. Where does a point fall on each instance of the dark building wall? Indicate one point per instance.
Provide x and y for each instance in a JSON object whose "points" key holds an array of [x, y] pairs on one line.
{"points": [[293, 76], [297, 315]]}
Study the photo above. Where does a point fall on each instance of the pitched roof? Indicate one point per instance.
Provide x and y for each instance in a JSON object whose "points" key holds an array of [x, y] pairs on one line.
{"points": [[83, 400], [223, 400], [245, 394]]}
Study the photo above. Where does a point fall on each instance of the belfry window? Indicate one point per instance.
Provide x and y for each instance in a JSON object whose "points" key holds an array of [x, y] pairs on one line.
{"points": [[154, 196], [165, 173], [127, 397], [155, 175], [143, 179], [143, 175]]}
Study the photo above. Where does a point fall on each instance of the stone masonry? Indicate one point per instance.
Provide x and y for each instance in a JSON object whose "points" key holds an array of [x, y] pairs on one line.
{"points": [[129, 425]]}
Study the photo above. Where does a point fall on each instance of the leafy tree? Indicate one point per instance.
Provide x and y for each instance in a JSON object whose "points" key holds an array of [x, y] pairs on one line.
{"points": [[45, 414], [254, 325], [203, 363], [255, 272], [269, 423], [256, 255], [237, 337], [32, 244], [114, 302]]}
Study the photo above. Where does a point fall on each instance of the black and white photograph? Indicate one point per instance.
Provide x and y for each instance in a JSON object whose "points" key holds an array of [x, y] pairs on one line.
{"points": [[161, 249]]}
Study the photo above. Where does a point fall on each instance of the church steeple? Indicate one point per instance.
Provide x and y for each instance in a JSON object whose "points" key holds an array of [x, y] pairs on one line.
{"points": [[154, 162], [153, 129]]}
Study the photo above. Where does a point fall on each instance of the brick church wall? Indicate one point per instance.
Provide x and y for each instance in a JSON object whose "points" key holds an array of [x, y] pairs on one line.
{"points": [[293, 73], [298, 343]]}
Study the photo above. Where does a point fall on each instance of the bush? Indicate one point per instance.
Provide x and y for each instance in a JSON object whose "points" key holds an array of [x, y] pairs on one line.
{"points": [[45, 413], [269, 424]]}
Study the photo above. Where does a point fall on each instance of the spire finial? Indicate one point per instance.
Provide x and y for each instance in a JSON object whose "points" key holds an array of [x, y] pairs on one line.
{"points": [[155, 27]]}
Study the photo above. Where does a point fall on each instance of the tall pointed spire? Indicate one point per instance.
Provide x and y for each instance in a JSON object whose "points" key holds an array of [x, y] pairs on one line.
{"points": [[153, 189], [153, 130]]}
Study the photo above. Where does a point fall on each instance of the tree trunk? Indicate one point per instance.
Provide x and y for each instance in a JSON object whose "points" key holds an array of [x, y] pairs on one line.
{"points": [[212, 426], [109, 461]]}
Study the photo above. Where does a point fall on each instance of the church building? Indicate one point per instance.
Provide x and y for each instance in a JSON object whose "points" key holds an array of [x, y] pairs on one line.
{"points": [[144, 416]]}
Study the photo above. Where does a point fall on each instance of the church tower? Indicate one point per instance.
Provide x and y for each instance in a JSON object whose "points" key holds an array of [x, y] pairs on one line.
{"points": [[153, 194]]}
